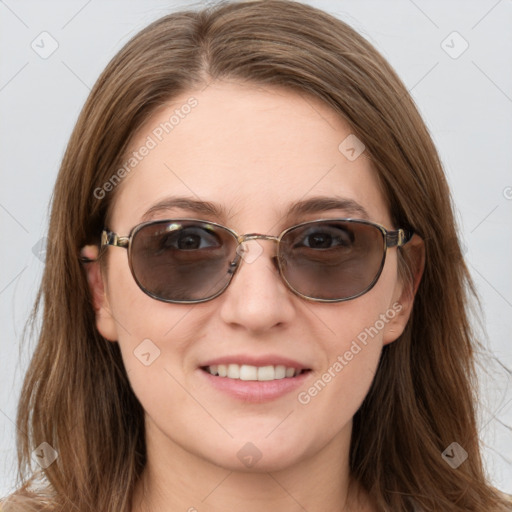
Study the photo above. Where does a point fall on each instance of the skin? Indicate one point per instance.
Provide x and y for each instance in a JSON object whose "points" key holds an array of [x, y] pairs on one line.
{"points": [[254, 151]]}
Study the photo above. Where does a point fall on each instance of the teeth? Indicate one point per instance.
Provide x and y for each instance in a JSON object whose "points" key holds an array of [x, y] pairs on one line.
{"points": [[248, 372], [233, 371]]}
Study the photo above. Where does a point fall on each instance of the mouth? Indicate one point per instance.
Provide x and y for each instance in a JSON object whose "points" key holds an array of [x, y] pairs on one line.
{"points": [[246, 372], [255, 384]]}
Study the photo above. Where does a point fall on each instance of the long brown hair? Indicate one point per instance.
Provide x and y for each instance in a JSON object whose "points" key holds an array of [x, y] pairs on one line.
{"points": [[76, 394]]}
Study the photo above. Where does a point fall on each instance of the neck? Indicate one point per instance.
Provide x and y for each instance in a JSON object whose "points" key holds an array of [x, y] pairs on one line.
{"points": [[176, 479]]}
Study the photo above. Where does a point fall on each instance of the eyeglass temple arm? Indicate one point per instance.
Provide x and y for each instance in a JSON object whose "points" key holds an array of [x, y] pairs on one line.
{"points": [[110, 238], [398, 238], [107, 238], [393, 238]]}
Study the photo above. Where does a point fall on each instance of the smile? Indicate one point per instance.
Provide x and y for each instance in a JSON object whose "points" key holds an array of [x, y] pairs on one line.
{"points": [[255, 373]]}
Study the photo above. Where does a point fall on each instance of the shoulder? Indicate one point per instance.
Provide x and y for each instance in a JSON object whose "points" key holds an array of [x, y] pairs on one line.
{"points": [[34, 495], [21, 503]]}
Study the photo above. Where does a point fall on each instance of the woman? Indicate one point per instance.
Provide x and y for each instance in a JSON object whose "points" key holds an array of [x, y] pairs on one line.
{"points": [[254, 296]]}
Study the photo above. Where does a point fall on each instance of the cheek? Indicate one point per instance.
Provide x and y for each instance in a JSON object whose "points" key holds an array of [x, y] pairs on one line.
{"points": [[353, 347], [154, 342], [353, 351], [152, 335]]}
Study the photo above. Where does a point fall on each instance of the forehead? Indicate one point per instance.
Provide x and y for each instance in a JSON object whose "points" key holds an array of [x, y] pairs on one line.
{"points": [[250, 151]]}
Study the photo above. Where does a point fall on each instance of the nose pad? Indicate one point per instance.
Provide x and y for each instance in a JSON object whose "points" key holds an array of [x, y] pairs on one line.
{"points": [[249, 250], [248, 255]]}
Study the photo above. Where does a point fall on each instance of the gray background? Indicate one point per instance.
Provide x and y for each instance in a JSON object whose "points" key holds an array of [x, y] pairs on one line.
{"points": [[465, 98]]}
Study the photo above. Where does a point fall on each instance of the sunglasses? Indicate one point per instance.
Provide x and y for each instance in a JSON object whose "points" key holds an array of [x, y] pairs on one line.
{"points": [[190, 260]]}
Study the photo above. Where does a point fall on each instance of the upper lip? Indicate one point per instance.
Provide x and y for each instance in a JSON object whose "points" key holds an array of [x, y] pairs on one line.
{"points": [[251, 360]]}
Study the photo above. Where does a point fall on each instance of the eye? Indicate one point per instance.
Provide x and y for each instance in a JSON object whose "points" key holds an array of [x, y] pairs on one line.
{"points": [[189, 239], [325, 237]]}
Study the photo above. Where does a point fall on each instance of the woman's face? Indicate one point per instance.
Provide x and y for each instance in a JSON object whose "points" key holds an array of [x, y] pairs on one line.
{"points": [[254, 152]]}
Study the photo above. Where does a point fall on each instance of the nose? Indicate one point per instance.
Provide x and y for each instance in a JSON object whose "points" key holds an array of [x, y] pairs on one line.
{"points": [[257, 299]]}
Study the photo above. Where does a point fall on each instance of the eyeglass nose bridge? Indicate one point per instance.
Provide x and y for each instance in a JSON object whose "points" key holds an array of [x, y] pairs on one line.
{"points": [[256, 236], [249, 256]]}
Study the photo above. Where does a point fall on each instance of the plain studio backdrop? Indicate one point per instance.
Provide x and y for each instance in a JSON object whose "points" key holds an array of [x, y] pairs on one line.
{"points": [[454, 57]]}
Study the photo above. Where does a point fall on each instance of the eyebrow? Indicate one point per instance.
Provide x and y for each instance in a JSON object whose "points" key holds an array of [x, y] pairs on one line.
{"points": [[322, 204], [311, 205], [184, 203]]}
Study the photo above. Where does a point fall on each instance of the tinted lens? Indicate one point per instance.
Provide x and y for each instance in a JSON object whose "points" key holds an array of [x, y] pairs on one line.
{"points": [[332, 260], [182, 260]]}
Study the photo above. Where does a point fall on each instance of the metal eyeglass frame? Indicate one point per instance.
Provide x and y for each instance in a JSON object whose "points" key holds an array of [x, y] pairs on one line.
{"points": [[397, 238]]}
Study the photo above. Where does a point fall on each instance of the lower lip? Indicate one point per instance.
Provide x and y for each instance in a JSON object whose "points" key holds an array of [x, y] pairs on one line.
{"points": [[253, 390]]}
